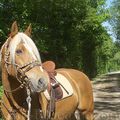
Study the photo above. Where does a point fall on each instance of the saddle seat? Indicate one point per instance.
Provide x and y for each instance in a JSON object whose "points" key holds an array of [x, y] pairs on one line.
{"points": [[54, 86], [49, 66]]}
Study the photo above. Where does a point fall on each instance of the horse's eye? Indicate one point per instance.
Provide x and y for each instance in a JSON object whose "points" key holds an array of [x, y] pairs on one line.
{"points": [[18, 51]]}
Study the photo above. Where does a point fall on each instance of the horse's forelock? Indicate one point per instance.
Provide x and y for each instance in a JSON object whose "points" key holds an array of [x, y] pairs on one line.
{"points": [[29, 44]]}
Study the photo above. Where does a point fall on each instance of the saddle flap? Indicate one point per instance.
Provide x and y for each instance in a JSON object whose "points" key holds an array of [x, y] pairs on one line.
{"points": [[64, 90], [49, 66]]}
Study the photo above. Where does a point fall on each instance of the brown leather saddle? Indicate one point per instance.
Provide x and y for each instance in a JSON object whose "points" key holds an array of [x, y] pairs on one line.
{"points": [[49, 66], [54, 88]]}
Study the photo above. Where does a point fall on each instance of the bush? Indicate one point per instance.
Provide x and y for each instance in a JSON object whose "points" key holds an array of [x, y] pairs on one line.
{"points": [[1, 91]]}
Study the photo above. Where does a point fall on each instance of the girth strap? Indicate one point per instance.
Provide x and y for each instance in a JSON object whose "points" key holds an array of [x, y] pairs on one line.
{"points": [[51, 105]]}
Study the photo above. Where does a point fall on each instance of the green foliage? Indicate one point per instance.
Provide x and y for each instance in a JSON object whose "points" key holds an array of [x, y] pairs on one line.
{"points": [[115, 19], [104, 55], [1, 91], [115, 23], [68, 32]]}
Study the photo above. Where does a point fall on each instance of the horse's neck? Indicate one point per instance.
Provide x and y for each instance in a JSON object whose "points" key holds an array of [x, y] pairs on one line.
{"points": [[9, 84], [44, 104], [19, 97]]}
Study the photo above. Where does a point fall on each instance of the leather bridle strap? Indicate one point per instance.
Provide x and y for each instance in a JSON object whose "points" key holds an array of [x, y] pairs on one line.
{"points": [[28, 99], [28, 66], [16, 89], [20, 71]]}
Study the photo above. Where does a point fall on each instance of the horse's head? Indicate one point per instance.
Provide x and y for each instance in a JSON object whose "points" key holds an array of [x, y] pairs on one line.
{"points": [[23, 61]]}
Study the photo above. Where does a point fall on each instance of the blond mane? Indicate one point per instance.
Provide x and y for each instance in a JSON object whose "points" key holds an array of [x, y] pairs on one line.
{"points": [[28, 42]]}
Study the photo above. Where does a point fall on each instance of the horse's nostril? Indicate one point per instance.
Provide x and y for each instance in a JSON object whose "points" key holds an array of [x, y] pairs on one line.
{"points": [[40, 81]]}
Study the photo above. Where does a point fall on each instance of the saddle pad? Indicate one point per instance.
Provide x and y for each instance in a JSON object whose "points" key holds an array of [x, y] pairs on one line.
{"points": [[65, 86]]}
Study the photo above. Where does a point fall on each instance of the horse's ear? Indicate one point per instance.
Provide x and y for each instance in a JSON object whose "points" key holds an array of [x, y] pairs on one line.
{"points": [[28, 30], [14, 29]]}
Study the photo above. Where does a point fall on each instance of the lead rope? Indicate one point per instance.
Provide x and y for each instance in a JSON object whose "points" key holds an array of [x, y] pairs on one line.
{"points": [[28, 99]]}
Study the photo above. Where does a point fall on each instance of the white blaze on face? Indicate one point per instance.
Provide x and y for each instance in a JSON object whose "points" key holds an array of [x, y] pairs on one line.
{"points": [[41, 68]]}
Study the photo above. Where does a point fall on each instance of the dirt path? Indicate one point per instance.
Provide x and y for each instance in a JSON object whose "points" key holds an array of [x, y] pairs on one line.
{"points": [[107, 97]]}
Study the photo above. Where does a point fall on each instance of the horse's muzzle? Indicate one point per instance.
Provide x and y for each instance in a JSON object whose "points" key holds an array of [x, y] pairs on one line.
{"points": [[38, 85]]}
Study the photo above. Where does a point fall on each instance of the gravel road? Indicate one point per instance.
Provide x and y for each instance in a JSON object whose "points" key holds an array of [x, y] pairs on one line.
{"points": [[107, 97]]}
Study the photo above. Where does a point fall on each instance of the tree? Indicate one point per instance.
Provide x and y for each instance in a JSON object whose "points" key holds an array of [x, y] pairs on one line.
{"points": [[67, 32], [115, 18], [115, 23]]}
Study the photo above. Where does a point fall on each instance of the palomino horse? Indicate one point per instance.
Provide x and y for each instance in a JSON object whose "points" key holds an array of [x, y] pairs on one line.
{"points": [[23, 77]]}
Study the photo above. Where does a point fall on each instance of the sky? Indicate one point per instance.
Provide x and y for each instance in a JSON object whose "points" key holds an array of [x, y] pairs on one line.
{"points": [[106, 24], [108, 2]]}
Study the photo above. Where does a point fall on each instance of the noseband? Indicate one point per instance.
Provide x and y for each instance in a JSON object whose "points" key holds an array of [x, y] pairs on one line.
{"points": [[20, 71]]}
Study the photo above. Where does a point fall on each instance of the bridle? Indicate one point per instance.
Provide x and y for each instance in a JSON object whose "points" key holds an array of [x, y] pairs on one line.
{"points": [[20, 71]]}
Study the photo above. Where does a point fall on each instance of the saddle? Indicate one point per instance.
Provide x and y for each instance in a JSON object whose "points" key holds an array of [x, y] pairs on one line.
{"points": [[49, 66], [54, 89], [54, 86]]}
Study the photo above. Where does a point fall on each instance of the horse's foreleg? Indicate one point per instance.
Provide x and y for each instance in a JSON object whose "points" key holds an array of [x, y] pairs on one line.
{"points": [[77, 114], [81, 116], [89, 116]]}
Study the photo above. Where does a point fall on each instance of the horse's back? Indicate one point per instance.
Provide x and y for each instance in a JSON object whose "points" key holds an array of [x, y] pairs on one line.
{"points": [[82, 86]]}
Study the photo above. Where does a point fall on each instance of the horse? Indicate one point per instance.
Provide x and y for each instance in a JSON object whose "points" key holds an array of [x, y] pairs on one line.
{"points": [[21, 70], [25, 81]]}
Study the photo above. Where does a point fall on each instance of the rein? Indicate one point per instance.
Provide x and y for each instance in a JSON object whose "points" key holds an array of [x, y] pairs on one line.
{"points": [[21, 77]]}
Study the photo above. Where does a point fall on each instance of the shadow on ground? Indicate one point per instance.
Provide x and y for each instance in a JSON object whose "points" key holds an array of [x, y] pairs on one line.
{"points": [[107, 97]]}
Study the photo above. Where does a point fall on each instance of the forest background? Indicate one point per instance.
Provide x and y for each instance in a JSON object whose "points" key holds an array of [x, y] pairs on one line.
{"points": [[69, 32]]}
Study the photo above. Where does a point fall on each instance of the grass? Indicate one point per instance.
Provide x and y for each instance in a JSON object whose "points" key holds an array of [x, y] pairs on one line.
{"points": [[1, 91]]}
